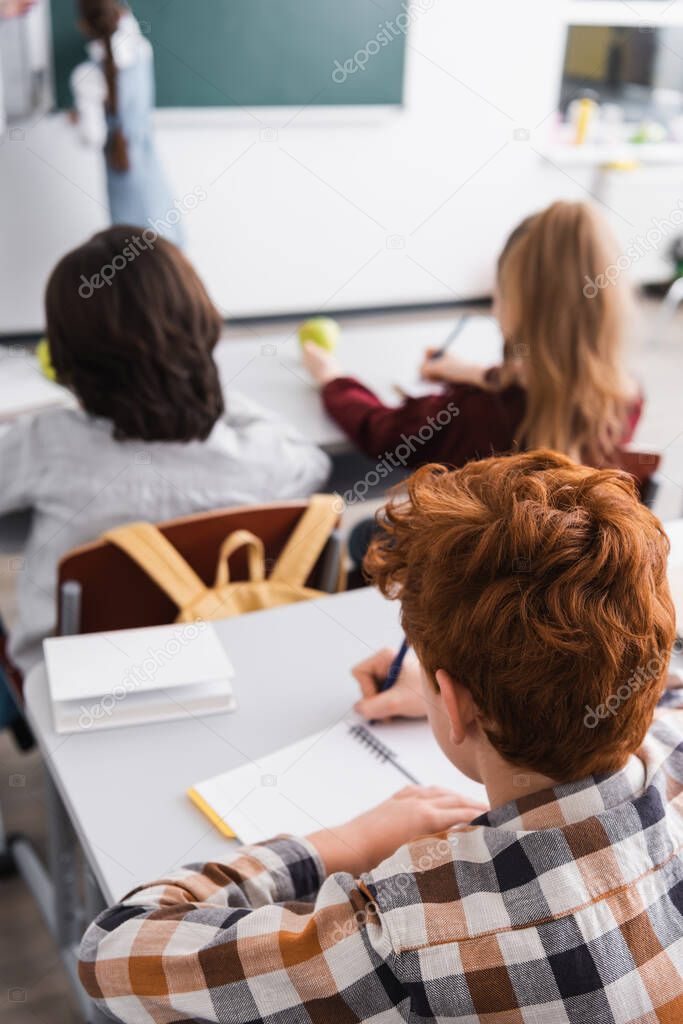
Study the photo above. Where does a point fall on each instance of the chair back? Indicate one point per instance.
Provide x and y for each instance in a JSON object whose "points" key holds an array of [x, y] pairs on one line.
{"points": [[115, 593], [643, 467]]}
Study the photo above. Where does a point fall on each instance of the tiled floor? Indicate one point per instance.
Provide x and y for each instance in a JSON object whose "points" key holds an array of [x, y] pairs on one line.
{"points": [[32, 985]]}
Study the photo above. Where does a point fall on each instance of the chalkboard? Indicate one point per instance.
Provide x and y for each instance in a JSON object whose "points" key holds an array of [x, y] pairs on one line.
{"points": [[251, 53]]}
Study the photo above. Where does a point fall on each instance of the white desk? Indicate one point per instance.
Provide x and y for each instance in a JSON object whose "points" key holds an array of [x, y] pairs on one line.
{"points": [[124, 789], [23, 389], [268, 368], [23, 386]]}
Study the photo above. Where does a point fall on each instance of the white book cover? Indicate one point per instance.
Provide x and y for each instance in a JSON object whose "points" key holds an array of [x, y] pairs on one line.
{"points": [[326, 779], [132, 676]]}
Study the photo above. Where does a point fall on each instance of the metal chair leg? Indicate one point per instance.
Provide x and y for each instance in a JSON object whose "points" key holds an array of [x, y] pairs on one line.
{"points": [[56, 891], [64, 867], [8, 865]]}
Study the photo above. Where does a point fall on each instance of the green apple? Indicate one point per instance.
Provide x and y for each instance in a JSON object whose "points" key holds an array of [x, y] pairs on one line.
{"points": [[322, 330], [44, 359]]}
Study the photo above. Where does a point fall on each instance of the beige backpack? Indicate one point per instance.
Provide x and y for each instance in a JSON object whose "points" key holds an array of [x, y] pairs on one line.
{"points": [[148, 547]]}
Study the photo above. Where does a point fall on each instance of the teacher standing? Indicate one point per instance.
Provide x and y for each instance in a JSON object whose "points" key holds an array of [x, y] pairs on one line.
{"points": [[114, 99]]}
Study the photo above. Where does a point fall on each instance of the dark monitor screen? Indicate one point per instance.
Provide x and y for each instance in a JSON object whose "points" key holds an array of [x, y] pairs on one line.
{"points": [[622, 64]]}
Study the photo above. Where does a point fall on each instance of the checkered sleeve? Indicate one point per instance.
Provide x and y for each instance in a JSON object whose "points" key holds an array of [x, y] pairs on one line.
{"points": [[259, 937], [672, 698]]}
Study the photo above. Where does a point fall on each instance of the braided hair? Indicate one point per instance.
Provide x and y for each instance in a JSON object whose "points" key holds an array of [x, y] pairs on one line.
{"points": [[101, 18]]}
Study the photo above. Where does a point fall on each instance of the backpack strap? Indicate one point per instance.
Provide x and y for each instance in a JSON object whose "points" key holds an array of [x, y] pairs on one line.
{"points": [[304, 547], [255, 557], [148, 547]]}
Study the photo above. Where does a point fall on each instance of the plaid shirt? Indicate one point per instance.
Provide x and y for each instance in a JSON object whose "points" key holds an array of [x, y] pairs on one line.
{"points": [[566, 906]]}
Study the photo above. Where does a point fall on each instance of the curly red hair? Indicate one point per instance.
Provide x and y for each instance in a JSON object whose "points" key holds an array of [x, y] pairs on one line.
{"points": [[541, 586]]}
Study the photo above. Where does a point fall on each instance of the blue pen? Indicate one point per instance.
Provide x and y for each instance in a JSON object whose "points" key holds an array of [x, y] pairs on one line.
{"points": [[393, 673], [451, 338], [395, 668]]}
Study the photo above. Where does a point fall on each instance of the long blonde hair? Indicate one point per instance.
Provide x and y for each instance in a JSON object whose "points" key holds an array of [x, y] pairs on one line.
{"points": [[564, 327]]}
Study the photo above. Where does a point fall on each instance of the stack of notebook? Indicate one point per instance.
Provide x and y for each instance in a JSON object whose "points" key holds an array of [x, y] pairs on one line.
{"points": [[134, 676]]}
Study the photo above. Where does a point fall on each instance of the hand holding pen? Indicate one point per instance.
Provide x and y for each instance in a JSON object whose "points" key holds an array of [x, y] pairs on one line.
{"points": [[432, 373], [403, 697], [440, 366], [437, 353]]}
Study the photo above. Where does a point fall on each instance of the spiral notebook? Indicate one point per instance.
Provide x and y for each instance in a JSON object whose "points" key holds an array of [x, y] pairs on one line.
{"points": [[327, 778]]}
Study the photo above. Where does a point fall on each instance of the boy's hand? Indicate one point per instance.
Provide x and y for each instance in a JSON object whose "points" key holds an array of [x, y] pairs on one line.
{"points": [[365, 841], [321, 364], [405, 697], [450, 369]]}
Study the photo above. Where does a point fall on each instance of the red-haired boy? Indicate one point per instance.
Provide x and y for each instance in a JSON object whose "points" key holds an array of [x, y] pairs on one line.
{"points": [[534, 595]]}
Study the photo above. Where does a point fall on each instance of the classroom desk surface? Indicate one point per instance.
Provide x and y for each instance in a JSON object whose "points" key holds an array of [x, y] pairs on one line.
{"points": [[268, 368], [124, 789]]}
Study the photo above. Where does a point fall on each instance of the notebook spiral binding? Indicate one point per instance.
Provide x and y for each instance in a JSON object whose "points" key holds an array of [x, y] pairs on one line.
{"points": [[371, 743]]}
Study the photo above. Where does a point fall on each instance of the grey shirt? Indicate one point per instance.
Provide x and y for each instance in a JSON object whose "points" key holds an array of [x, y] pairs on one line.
{"points": [[79, 481]]}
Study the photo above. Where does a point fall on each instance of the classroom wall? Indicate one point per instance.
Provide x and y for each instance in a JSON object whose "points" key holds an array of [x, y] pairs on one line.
{"points": [[309, 210]]}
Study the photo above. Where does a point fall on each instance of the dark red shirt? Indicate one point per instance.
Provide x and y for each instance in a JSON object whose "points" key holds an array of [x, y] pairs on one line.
{"points": [[462, 423]]}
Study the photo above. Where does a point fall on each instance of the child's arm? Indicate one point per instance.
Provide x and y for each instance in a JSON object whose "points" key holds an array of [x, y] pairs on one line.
{"points": [[378, 429], [375, 428], [268, 934], [89, 91]]}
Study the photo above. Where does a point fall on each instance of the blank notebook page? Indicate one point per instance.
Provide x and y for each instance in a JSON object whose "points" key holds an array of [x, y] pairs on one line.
{"points": [[324, 780]]}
